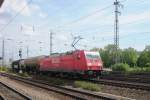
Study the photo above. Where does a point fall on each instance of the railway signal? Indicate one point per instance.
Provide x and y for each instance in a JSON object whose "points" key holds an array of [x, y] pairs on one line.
{"points": [[20, 53]]}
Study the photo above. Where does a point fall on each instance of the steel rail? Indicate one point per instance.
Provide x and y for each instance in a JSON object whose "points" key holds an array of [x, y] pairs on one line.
{"points": [[1, 98], [16, 91], [137, 79], [74, 93], [132, 85]]}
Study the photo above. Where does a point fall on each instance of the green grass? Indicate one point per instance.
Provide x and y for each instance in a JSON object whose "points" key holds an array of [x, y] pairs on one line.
{"points": [[53, 81], [87, 85], [58, 82], [5, 69], [23, 74]]}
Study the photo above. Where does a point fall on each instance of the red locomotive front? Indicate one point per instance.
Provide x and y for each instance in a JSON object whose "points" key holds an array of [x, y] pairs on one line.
{"points": [[94, 64], [79, 62]]}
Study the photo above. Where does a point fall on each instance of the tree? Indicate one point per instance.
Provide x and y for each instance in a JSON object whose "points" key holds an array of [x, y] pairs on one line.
{"points": [[108, 54], [144, 57], [147, 48], [129, 56], [105, 57], [95, 49]]}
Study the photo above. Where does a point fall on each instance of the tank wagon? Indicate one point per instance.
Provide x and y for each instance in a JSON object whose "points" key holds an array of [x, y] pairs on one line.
{"points": [[27, 65], [79, 62]]}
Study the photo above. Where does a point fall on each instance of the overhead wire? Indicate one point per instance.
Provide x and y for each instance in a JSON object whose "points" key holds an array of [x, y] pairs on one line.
{"points": [[84, 17], [91, 14], [13, 18], [58, 10]]}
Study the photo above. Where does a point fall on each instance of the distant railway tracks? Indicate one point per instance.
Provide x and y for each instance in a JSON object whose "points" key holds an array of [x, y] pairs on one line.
{"points": [[74, 93], [138, 78], [124, 84], [137, 81], [11, 93]]}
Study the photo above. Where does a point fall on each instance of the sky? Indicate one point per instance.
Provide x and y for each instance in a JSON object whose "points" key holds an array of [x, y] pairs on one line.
{"points": [[28, 23]]}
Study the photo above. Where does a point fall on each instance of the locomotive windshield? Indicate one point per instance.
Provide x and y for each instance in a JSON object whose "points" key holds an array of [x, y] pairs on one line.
{"points": [[92, 55]]}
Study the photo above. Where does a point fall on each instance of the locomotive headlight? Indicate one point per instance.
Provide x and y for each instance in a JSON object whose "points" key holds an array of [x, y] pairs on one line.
{"points": [[89, 64], [99, 64]]}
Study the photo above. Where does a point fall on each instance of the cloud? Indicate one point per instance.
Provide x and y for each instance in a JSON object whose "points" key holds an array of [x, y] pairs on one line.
{"points": [[42, 15], [4, 17], [135, 17], [18, 5], [34, 7]]}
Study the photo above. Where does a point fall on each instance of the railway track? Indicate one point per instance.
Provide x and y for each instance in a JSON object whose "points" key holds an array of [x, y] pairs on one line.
{"points": [[118, 83], [74, 93], [134, 77], [132, 85], [12, 93], [137, 79], [133, 82]]}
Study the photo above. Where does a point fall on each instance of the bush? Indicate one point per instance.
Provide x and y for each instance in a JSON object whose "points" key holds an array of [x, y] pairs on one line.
{"points": [[139, 70], [148, 65], [136, 70], [87, 85], [148, 69], [121, 67]]}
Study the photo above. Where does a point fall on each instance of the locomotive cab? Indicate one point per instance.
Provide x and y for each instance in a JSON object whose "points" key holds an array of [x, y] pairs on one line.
{"points": [[93, 63], [88, 63]]}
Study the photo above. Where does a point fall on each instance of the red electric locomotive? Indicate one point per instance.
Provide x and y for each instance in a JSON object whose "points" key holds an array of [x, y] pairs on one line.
{"points": [[79, 62]]}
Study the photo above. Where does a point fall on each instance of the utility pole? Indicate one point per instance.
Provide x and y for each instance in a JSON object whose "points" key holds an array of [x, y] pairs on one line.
{"points": [[116, 31], [40, 43], [51, 42], [3, 51]]}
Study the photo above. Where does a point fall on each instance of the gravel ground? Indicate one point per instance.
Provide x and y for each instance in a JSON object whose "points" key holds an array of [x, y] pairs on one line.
{"points": [[9, 94], [34, 92], [126, 92]]}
